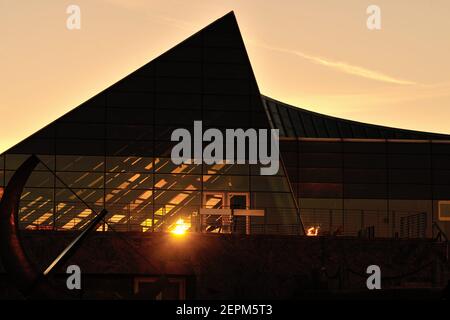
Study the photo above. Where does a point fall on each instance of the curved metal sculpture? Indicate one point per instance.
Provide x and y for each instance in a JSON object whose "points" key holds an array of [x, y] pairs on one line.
{"points": [[14, 258], [29, 281], [32, 283]]}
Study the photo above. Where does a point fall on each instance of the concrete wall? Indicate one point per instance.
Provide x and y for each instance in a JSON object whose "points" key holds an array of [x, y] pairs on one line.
{"points": [[239, 266]]}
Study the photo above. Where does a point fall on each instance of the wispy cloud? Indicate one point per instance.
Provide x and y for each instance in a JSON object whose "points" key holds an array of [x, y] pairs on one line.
{"points": [[341, 66]]}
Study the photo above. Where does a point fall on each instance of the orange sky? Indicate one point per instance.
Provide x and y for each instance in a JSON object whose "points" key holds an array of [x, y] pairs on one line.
{"points": [[313, 54]]}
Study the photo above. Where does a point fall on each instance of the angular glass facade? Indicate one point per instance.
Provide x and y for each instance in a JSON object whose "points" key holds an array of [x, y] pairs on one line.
{"points": [[113, 151]]}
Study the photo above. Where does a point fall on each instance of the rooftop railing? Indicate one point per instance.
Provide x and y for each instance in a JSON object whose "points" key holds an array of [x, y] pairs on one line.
{"points": [[73, 216]]}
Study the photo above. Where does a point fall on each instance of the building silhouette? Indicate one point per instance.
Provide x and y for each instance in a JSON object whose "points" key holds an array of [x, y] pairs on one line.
{"points": [[338, 177]]}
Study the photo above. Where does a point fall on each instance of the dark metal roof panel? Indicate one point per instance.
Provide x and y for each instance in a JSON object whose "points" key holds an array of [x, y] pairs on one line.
{"points": [[310, 124]]}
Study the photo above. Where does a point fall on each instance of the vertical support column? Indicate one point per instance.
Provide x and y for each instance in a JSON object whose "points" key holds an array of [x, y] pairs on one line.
{"points": [[331, 221], [247, 225], [393, 223], [362, 219]]}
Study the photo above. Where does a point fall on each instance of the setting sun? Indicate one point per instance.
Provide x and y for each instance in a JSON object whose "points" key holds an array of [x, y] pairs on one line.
{"points": [[180, 227]]}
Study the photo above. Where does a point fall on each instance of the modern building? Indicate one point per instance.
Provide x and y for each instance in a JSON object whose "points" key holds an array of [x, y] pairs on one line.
{"points": [[337, 177], [113, 151]]}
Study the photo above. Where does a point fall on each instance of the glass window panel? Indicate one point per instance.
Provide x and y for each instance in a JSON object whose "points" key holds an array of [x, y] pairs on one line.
{"points": [[129, 181], [73, 215], [225, 102], [129, 148], [290, 158], [441, 162], [441, 177], [13, 161], [90, 196], [37, 217], [178, 85], [219, 51], [226, 119], [80, 131], [365, 176], [79, 163], [440, 148], [165, 165], [410, 191], [163, 134], [130, 116], [292, 173], [225, 182], [76, 147], [269, 183], [177, 199], [122, 197], [441, 191], [320, 190], [234, 71], [267, 200], [416, 176], [255, 169], [79, 179], [174, 117], [178, 101], [48, 160], [409, 161], [365, 191], [214, 200], [40, 179], [320, 147], [178, 181], [127, 100], [129, 164], [36, 195], [409, 148], [232, 169], [364, 147], [129, 132], [364, 160], [321, 175], [289, 146], [179, 69], [320, 160], [35, 202]]}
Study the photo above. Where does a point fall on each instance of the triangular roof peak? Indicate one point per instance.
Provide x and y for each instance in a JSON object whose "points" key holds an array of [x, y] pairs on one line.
{"points": [[206, 77]]}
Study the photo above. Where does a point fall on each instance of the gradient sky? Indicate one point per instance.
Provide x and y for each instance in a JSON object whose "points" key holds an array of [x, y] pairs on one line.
{"points": [[318, 55]]}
